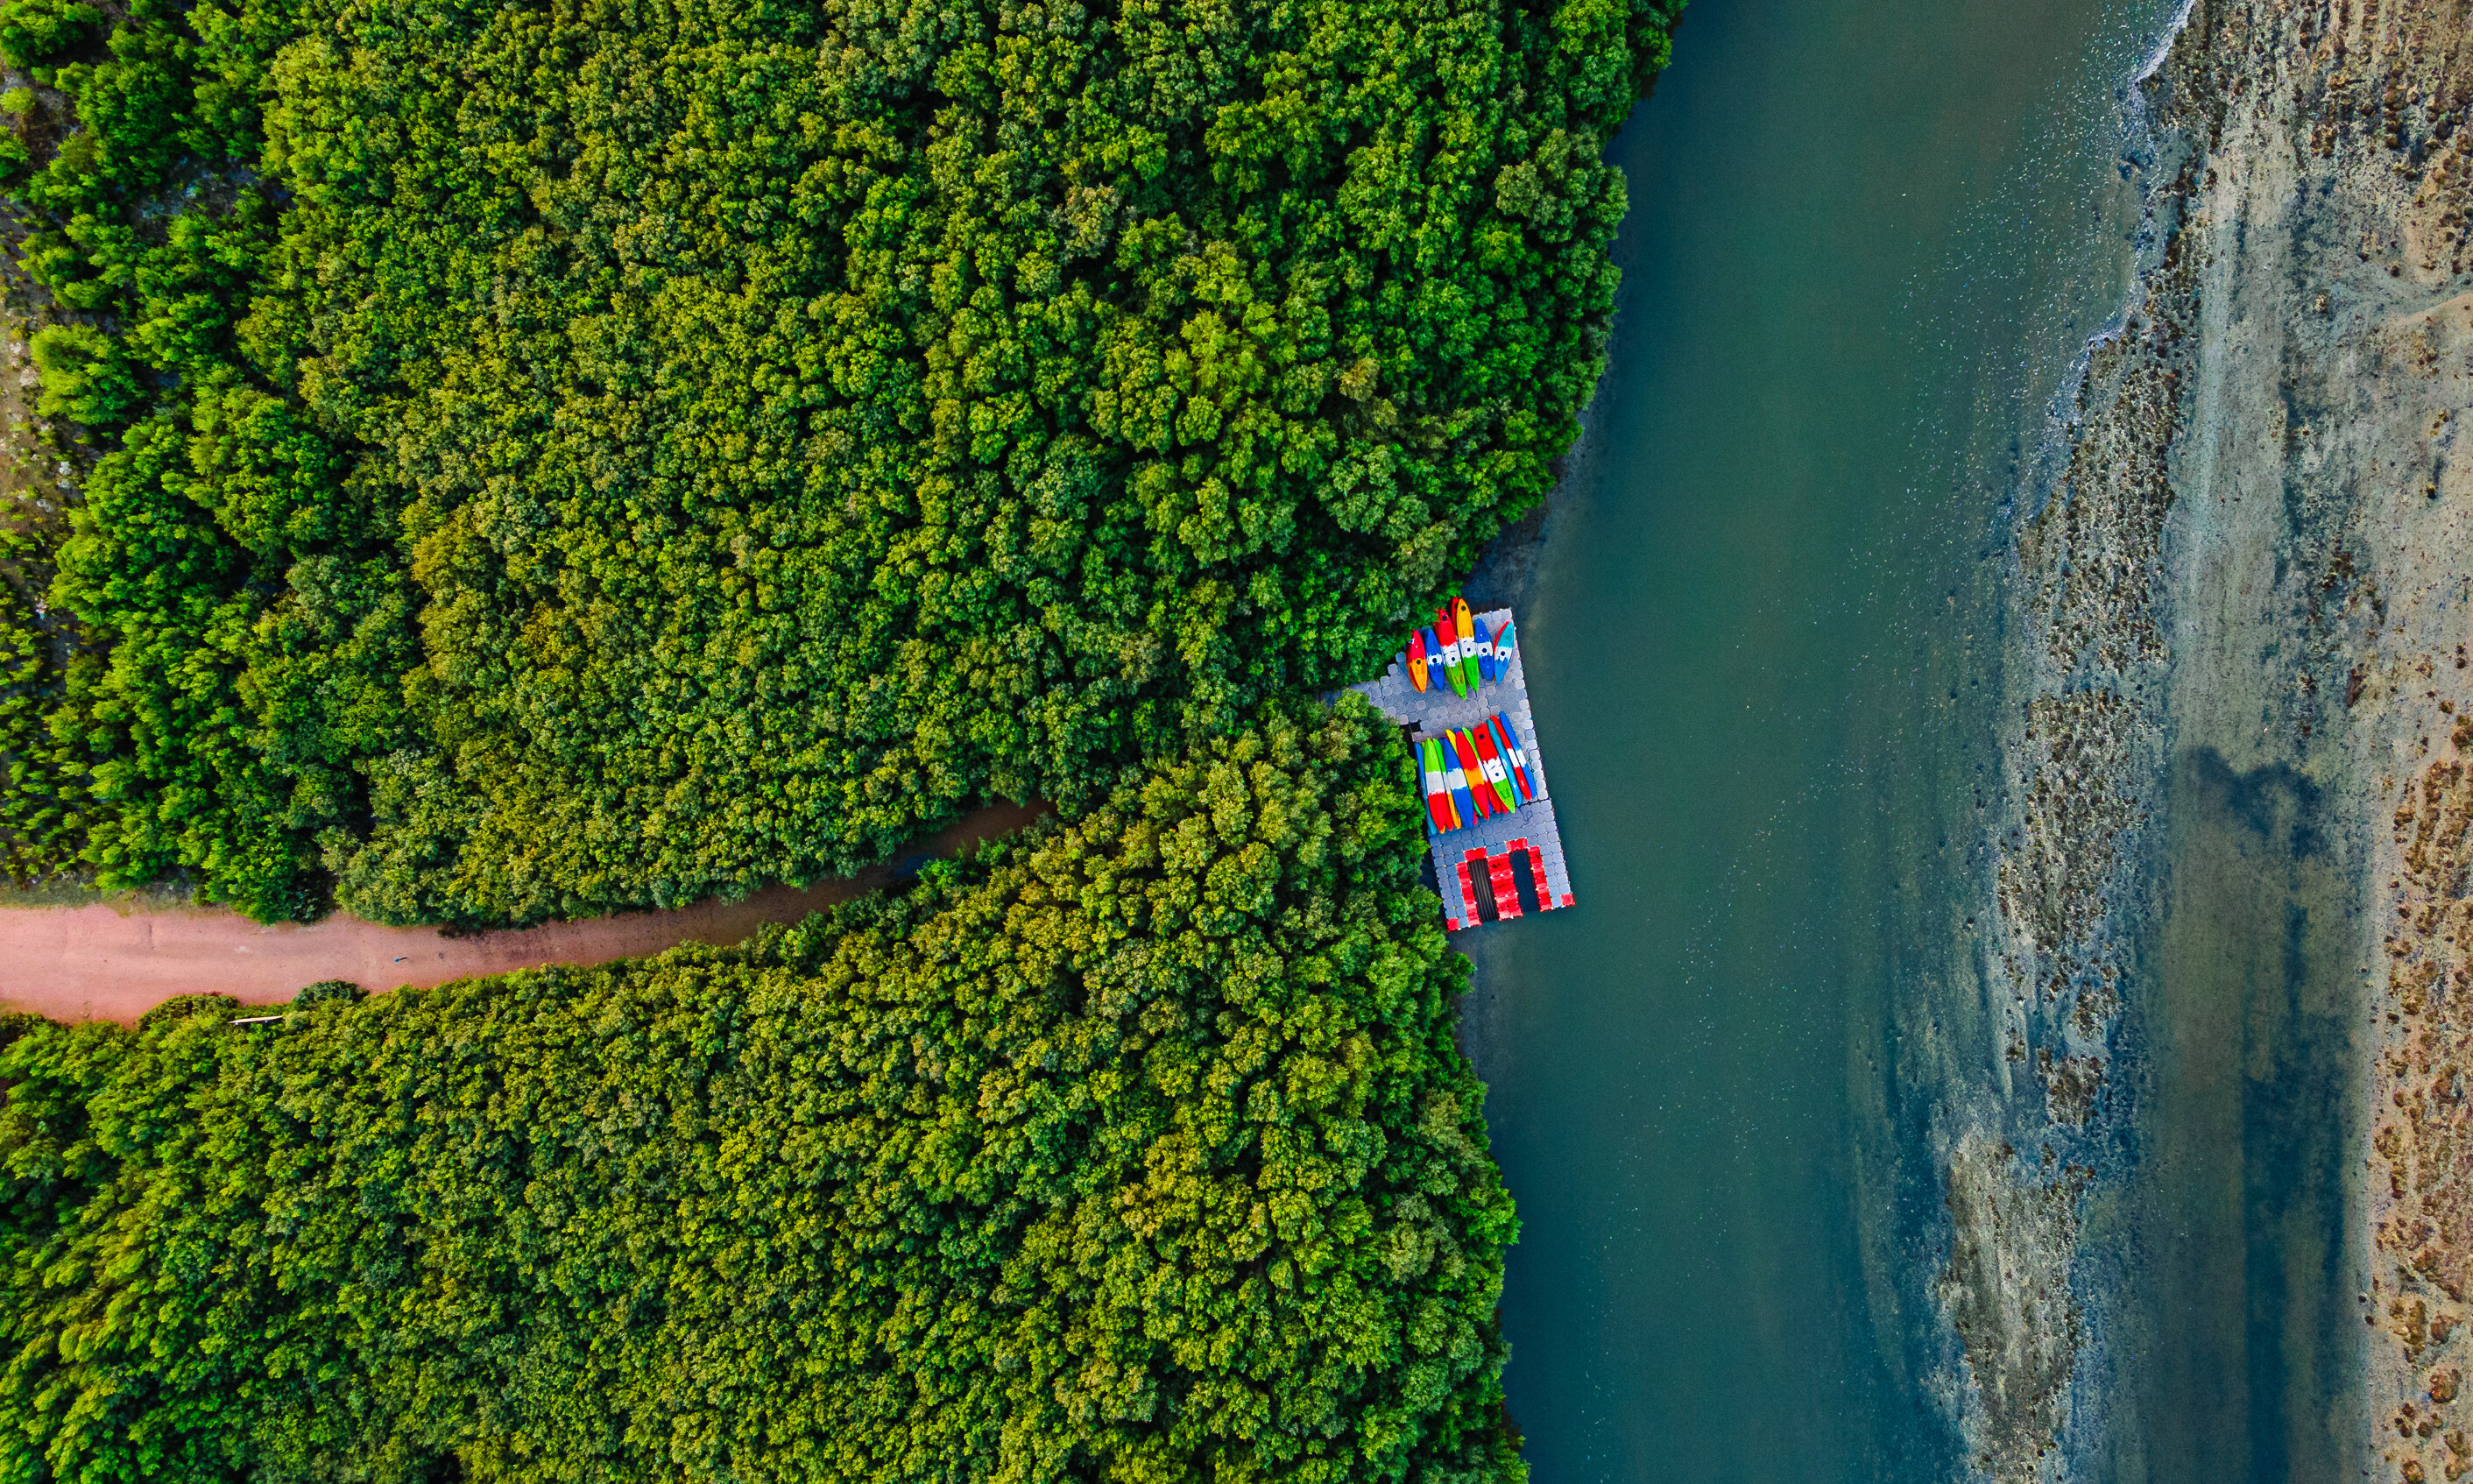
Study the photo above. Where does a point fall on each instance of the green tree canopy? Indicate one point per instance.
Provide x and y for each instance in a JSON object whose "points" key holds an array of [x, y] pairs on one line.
{"points": [[571, 453], [1139, 1150]]}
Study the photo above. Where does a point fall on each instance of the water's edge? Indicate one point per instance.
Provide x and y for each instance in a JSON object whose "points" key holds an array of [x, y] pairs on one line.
{"points": [[2201, 777]]}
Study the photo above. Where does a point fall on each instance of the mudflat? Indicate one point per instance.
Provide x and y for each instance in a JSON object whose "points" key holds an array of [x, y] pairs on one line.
{"points": [[2232, 893], [114, 961]]}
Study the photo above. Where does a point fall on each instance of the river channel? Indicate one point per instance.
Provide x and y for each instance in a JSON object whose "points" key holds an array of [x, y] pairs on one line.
{"points": [[1763, 634]]}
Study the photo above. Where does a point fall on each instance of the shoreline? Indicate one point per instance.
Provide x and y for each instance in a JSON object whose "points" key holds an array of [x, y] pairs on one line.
{"points": [[116, 960], [2242, 598]]}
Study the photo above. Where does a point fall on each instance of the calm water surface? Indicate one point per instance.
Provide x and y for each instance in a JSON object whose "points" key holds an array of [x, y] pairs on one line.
{"points": [[1868, 238]]}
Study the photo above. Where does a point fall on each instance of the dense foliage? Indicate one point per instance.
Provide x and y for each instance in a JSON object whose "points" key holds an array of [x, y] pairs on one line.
{"points": [[38, 778], [561, 453], [1138, 1151]]}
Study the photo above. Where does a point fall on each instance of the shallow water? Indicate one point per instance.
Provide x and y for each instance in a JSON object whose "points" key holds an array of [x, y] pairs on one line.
{"points": [[2224, 1247], [1867, 239]]}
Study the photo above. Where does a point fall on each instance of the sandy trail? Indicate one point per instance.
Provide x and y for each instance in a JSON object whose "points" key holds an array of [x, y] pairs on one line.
{"points": [[113, 961]]}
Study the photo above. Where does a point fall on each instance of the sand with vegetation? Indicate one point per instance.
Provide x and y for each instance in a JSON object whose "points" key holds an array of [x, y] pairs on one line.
{"points": [[2243, 591]]}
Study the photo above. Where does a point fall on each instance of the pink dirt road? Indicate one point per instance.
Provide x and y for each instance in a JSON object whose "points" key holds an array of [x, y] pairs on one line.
{"points": [[103, 963]]}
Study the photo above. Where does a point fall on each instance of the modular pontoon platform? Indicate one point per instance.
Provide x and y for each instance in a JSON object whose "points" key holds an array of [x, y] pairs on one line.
{"points": [[1507, 865]]}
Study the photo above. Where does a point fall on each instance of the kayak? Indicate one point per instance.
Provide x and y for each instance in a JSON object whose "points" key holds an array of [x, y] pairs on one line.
{"points": [[1511, 753], [1455, 780], [1417, 660], [1438, 794], [1468, 650], [1462, 758], [1473, 771], [1512, 757], [1451, 670], [1426, 782], [1495, 773], [1502, 643], [1484, 651]]}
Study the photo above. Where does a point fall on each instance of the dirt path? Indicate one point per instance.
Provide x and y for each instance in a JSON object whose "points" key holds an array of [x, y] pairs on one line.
{"points": [[115, 963]]}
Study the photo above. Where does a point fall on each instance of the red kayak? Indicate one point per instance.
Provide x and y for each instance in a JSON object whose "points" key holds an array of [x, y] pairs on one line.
{"points": [[1509, 746], [1497, 775], [1449, 659], [1478, 788], [1438, 788]]}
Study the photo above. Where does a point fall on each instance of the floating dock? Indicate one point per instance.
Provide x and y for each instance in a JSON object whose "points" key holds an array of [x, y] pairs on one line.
{"points": [[1511, 863]]}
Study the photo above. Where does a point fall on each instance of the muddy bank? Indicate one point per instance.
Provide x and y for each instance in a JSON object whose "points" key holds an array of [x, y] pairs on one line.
{"points": [[2241, 581], [113, 961]]}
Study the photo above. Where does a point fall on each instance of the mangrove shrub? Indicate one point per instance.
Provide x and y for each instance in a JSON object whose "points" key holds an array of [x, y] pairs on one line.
{"points": [[560, 454], [1136, 1150]]}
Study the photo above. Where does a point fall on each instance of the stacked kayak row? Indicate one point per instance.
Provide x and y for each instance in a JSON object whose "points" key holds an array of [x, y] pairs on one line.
{"points": [[1473, 772], [1492, 838], [1457, 651]]}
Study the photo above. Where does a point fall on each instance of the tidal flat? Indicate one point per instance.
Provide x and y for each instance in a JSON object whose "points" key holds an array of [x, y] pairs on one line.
{"points": [[2226, 914]]}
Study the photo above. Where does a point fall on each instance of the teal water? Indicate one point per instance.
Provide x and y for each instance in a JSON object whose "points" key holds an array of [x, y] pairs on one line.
{"points": [[1764, 636]]}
